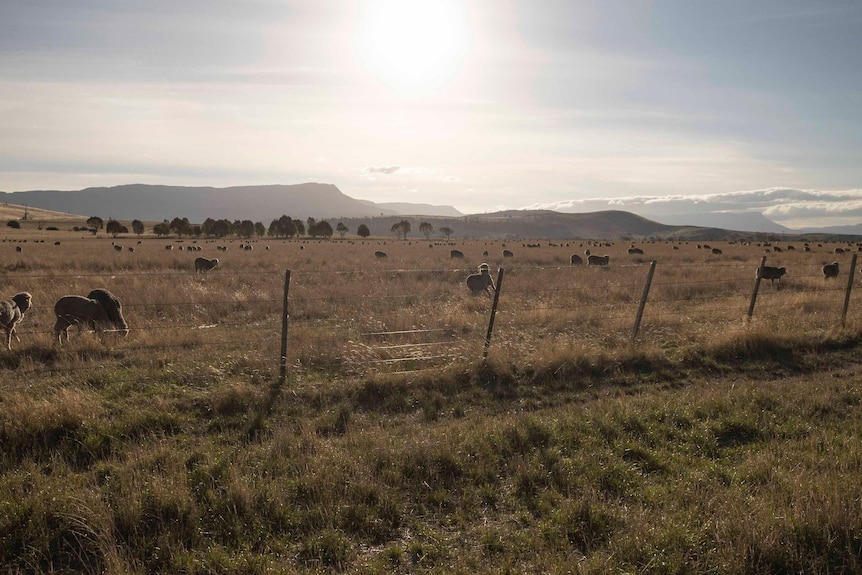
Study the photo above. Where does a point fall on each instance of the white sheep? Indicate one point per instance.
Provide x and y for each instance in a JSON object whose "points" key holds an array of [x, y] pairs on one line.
{"points": [[12, 312]]}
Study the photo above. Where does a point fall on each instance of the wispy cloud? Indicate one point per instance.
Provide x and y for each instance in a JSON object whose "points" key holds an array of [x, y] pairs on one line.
{"points": [[787, 206], [385, 170]]}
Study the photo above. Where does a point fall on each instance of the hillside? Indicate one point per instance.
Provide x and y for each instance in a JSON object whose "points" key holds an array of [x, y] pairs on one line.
{"points": [[260, 203], [518, 224], [16, 212]]}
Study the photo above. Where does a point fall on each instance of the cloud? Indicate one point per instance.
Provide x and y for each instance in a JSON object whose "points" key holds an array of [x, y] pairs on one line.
{"points": [[788, 206], [385, 170]]}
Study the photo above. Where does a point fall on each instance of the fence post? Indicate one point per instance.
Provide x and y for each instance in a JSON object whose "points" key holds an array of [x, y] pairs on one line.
{"points": [[849, 288], [643, 300], [284, 320], [756, 287], [493, 313]]}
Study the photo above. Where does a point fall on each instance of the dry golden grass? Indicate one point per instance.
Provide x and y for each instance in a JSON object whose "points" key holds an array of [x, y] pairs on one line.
{"points": [[353, 313], [709, 444]]}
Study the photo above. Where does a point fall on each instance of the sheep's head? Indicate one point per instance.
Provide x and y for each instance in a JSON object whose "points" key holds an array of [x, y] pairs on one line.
{"points": [[23, 300], [113, 309]]}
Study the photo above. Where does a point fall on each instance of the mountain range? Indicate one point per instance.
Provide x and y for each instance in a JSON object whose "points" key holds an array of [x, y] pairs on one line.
{"points": [[326, 201], [258, 203]]}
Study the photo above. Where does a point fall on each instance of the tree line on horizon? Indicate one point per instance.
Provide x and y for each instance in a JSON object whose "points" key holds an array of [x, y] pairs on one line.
{"points": [[283, 227]]}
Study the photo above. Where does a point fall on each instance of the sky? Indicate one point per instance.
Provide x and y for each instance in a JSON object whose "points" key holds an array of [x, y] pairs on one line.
{"points": [[723, 105]]}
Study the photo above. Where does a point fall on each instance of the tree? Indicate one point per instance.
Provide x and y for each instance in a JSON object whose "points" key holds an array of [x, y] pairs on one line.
{"points": [[138, 227], [427, 229], [196, 230], [401, 229], [207, 227], [95, 222], [363, 231], [221, 228], [259, 229], [283, 226], [342, 229], [114, 228], [162, 229], [446, 232], [180, 226], [300, 227], [321, 229], [246, 228]]}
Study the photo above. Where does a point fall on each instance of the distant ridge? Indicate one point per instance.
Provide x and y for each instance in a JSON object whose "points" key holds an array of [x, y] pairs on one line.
{"points": [[260, 203]]}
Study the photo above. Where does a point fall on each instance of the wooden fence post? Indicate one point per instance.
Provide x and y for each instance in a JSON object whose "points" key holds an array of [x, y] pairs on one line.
{"points": [[284, 322], [643, 300], [849, 288], [493, 313], [756, 287]]}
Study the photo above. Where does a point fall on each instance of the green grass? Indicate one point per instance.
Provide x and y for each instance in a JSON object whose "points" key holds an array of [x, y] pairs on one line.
{"points": [[741, 458]]}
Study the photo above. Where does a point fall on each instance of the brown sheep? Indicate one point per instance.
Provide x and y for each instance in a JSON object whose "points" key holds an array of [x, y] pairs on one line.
{"points": [[830, 270], [772, 274], [481, 282], [100, 307]]}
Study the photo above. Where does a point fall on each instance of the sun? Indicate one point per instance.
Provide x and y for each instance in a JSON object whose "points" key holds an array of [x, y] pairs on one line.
{"points": [[413, 46]]}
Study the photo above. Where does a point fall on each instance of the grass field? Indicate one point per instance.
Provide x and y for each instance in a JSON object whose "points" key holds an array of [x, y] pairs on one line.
{"points": [[710, 443]]}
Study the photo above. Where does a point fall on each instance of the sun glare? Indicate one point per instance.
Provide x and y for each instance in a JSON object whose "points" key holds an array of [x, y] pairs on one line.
{"points": [[415, 47]]}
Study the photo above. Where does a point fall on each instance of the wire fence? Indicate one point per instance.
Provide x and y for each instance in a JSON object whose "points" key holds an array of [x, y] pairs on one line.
{"points": [[359, 322]]}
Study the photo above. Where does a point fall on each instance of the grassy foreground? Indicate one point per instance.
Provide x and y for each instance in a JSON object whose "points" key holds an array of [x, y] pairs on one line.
{"points": [[742, 458]]}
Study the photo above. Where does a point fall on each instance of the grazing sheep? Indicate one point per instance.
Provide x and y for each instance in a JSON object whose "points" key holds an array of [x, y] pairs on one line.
{"points": [[577, 260], [131, 249], [19, 249], [594, 260], [830, 270], [716, 251], [118, 247], [635, 251], [481, 282], [456, 254], [12, 312], [100, 307], [204, 265], [169, 247], [380, 255], [771, 274], [508, 254], [839, 250]]}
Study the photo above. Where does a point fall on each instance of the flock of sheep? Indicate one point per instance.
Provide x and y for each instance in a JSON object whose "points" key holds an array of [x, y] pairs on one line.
{"points": [[101, 308], [96, 310]]}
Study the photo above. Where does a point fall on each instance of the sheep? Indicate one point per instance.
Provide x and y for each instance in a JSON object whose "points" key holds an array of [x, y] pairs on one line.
{"points": [[12, 312], [839, 250], [577, 260], [771, 274], [456, 254], [169, 247], [716, 251], [19, 249], [380, 255], [118, 247], [830, 270], [482, 281], [508, 254], [635, 251], [595, 260], [99, 307], [204, 265], [131, 249]]}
